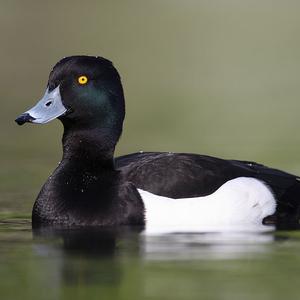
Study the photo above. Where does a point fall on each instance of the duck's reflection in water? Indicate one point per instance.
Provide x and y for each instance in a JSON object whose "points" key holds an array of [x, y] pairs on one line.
{"points": [[106, 257], [207, 246], [87, 256]]}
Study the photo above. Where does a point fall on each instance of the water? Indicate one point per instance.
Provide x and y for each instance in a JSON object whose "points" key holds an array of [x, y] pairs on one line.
{"points": [[124, 264]]}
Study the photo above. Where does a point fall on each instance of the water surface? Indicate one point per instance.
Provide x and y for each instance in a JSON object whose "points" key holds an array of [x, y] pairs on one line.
{"points": [[126, 264]]}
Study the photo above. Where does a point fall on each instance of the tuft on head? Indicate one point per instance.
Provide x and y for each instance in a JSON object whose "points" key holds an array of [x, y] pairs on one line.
{"points": [[96, 66]]}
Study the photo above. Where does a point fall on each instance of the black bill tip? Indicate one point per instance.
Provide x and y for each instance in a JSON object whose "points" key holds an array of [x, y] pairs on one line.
{"points": [[23, 118]]}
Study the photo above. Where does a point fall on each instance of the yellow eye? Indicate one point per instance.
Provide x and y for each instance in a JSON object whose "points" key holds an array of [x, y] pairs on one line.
{"points": [[82, 79]]}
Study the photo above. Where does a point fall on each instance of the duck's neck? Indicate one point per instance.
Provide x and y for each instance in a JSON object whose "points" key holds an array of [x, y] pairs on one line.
{"points": [[89, 149]]}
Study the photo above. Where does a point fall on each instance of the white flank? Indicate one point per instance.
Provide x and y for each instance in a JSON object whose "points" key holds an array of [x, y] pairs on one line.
{"points": [[239, 204]]}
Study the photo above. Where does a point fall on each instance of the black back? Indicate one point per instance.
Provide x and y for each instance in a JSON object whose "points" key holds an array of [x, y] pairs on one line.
{"points": [[180, 175]]}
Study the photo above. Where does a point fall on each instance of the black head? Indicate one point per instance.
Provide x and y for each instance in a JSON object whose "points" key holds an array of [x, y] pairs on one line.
{"points": [[83, 92]]}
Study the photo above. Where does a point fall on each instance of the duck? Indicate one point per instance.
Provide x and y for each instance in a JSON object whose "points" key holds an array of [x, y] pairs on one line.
{"points": [[183, 191]]}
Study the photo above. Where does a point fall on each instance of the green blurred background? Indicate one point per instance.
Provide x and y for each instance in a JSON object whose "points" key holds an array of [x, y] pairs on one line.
{"points": [[213, 77]]}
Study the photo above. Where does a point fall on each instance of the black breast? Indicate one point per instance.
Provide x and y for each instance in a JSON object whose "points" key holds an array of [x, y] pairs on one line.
{"points": [[86, 199]]}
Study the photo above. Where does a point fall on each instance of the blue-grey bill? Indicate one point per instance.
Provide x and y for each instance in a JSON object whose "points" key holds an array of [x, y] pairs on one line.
{"points": [[47, 109]]}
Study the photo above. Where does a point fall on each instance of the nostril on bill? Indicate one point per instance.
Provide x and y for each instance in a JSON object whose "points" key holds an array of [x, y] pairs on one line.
{"points": [[48, 103]]}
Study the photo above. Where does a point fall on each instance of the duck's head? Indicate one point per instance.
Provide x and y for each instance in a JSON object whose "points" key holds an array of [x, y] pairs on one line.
{"points": [[82, 92]]}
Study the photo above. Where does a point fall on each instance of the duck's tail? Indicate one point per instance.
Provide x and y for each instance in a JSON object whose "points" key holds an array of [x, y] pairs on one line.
{"points": [[288, 208]]}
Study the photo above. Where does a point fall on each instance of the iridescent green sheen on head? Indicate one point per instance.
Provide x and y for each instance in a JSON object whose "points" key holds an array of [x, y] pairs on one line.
{"points": [[97, 103]]}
